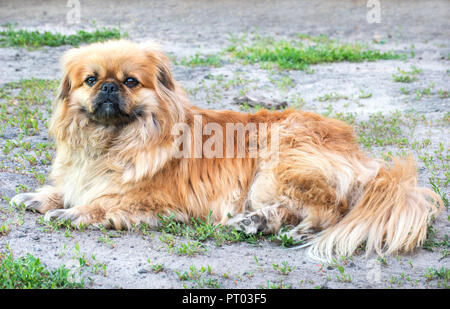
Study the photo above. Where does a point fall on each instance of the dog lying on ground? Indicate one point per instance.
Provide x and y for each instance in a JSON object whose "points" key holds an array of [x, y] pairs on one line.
{"points": [[130, 146]]}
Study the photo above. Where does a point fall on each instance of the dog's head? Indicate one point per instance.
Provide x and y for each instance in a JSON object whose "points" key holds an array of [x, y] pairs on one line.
{"points": [[115, 82]]}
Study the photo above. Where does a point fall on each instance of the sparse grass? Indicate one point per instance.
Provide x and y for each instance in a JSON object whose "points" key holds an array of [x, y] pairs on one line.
{"points": [[406, 76], [156, 268], [442, 276], [213, 88], [443, 94], [11, 215], [86, 263], [4, 229], [437, 163], [420, 93], [299, 55], [382, 260], [12, 37], [29, 107], [189, 248], [404, 91], [284, 268], [28, 272], [282, 81], [364, 95], [284, 240], [107, 236], [333, 96], [340, 266], [202, 60], [25, 107], [436, 189], [276, 285], [343, 277], [202, 229], [199, 278], [387, 129], [431, 243], [53, 225]]}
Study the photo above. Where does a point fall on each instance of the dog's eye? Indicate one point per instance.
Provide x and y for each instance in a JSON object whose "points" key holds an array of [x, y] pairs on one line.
{"points": [[90, 81], [131, 82]]}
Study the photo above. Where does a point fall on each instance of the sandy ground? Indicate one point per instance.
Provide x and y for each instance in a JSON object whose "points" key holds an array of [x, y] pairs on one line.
{"points": [[187, 27]]}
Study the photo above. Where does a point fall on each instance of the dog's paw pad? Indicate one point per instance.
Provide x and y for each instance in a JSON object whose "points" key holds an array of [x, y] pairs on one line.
{"points": [[249, 224]]}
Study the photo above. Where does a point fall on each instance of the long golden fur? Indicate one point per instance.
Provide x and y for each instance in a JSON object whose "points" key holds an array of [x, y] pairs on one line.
{"points": [[124, 169]]}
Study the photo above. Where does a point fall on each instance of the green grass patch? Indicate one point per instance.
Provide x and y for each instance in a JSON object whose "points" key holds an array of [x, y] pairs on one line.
{"points": [[199, 278], [442, 276], [202, 60], [301, 53], [387, 129], [406, 76], [443, 94], [25, 107], [333, 96], [202, 229], [28, 272], [12, 37], [284, 268], [29, 107]]}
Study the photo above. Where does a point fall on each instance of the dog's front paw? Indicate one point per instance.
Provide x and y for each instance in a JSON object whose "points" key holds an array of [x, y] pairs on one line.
{"points": [[76, 217], [32, 201], [251, 223]]}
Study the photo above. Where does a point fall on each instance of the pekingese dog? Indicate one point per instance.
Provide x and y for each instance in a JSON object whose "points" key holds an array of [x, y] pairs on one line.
{"points": [[130, 146]]}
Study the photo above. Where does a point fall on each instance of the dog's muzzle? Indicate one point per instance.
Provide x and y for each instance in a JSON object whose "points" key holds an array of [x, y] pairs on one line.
{"points": [[107, 104]]}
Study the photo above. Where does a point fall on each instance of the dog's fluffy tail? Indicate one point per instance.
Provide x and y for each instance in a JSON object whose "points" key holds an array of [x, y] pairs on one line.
{"points": [[391, 216]]}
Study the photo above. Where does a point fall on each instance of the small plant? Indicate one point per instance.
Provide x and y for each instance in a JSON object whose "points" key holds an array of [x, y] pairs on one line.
{"points": [[364, 95], [343, 277], [382, 260], [107, 236], [199, 278], [403, 90], [285, 240], [443, 94], [333, 96], [441, 275], [257, 263], [4, 229], [156, 268], [189, 248], [406, 76], [438, 191], [284, 268], [422, 92], [89, 264]]}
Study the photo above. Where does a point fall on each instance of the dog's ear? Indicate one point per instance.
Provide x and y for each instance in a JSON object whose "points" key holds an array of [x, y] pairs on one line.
{"points": [[164, 75], [67, 62], [64, 88], [164, 79]]}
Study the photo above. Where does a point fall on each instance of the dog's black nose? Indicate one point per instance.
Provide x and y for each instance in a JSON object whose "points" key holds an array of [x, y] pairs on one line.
{"points": [[109, 88]]}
